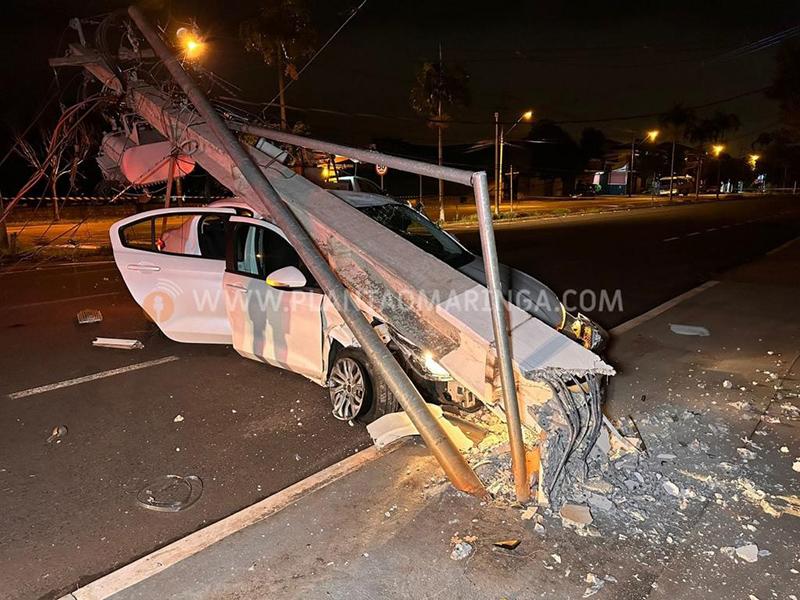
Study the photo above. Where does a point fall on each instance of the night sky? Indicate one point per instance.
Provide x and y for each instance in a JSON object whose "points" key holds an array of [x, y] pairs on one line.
{"points": [[569, 61]]}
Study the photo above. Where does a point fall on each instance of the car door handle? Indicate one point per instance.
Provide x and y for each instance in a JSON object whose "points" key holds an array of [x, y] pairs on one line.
{"points": [[143, 266], [236, 286]]}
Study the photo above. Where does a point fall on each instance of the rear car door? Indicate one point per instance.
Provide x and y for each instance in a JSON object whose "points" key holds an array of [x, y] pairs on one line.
{"points": [[172, 261], [277, 324]]}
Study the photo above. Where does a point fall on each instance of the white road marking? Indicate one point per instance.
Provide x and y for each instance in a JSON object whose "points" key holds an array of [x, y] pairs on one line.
{"points": [[190, 545], [60, 300], [693, 234], [711, 229], [85, 379], [782, 246], [654, 312], [671, 239]]}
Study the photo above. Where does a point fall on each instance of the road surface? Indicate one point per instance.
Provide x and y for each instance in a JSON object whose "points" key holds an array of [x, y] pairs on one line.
{"points": [[248, 430]]}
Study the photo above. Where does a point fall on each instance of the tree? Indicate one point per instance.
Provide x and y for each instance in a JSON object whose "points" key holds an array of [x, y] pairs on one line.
{"points": [[281, 34], [678, 120], [713, 129], [554, 154], [785, 86], [438, 89]]}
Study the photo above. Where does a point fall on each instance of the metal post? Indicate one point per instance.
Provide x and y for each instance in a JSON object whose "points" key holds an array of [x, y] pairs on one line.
{"points": [[500, 169], [500, 325], [440, 445], [630, 170], [497, 177], [672, 170]]}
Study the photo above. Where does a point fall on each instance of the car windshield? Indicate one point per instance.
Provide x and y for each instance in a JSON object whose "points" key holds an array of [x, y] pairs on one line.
{"points": [[409, 224], [365, 185]]}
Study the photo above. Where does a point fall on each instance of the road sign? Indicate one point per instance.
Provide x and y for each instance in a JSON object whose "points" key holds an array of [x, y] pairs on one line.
{"points": [[381, 170]]}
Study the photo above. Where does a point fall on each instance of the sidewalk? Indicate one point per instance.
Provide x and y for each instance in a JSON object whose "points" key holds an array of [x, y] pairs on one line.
{"points": [[714, 413]]}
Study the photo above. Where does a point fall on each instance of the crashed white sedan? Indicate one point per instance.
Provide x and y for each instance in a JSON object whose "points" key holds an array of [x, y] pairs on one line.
{"points": [[222, 275]]}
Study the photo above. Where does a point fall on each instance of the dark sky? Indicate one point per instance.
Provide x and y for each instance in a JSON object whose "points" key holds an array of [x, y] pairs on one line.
{"points": [[569, 61]]}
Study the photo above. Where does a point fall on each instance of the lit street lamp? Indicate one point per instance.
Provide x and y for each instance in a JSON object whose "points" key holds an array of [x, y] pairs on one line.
{"points": [[650, 136], [192, 44], [500, 133], [752, 160]]}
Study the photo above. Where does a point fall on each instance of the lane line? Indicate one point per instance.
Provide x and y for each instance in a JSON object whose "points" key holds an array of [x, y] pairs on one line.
{"points": [[672, 239], [783, 246], [165, 557], [654, 312], [60, 300], [693, 234], [87, 378]]}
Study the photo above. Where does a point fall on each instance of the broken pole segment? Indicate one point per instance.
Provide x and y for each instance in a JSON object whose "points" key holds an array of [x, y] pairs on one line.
{"points": [[497, 304], [440, 445]]}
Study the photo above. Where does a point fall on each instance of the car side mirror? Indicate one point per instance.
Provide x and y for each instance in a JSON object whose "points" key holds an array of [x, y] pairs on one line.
{"points": [[287, 277]]}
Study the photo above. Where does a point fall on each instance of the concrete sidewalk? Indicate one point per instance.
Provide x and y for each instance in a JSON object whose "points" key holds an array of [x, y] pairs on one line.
{"points": [[718, 416]]}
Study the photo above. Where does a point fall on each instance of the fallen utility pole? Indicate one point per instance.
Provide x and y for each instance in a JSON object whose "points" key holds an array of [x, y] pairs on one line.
{"points": [[396, 379], [490, 261]]}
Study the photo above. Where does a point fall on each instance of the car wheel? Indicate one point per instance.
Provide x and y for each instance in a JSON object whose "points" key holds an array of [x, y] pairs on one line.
{"points": [[355, 391]]}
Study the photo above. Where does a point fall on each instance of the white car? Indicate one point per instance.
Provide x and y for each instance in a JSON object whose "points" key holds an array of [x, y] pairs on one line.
{"points": [[223, 275]]}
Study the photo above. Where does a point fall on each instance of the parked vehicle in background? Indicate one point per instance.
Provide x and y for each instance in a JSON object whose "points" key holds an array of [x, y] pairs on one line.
{"points": [[682, 185]]}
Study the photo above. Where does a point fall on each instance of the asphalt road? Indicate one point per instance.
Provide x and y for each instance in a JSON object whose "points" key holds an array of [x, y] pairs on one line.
{"points": [[249, 430]]}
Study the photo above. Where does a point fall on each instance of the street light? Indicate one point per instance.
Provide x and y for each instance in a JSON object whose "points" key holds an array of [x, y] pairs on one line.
{"points": [[649, 136], [192, 44], [752, 160], [498, 154]]}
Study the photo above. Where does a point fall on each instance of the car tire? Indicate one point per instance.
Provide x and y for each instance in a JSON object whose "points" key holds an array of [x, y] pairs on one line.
{"points": [[356, 392]]}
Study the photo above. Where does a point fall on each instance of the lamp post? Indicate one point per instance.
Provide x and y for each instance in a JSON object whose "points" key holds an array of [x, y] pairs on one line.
{"points": [[651, 136], [526, 116], [717, 150]]}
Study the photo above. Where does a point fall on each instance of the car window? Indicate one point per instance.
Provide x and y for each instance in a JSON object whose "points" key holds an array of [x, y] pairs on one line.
{"points": [[187, 234], [258, 251]]}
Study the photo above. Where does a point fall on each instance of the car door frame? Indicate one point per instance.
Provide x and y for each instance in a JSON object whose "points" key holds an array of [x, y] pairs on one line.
{"points": [[181, 293]]}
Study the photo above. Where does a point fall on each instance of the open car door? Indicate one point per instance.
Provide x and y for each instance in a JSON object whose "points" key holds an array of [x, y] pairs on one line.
{"points": [[274, 305], [172, 261]]}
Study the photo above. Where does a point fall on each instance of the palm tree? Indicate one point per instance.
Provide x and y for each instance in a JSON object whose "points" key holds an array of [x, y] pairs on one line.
{"points": [[281, 34], [437, 89], [677, 121]]}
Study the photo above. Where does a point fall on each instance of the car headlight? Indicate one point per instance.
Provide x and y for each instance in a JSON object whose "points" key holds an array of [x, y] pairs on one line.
{"points": [[434, 369]]}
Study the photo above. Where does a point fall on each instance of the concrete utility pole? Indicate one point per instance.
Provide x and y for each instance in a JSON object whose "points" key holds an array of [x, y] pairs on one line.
{"points": [[630, 168]]}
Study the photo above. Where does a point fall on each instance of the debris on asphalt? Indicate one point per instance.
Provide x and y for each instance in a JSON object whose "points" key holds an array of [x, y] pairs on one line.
{"points": [[462, 548], [118, 343], [509, 544], [177, 419], [529, 513], [748, 553], [57, 434], [595, 585], [170, 493], [689, 330], [89, 315], [727, 384], [671, 489], [796, 465]]}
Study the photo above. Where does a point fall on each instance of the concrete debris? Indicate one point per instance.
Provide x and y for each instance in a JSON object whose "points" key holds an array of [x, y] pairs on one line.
{"points": [[796, 465], [689, 330], [671, 489], [600, 502], [118, 343], [665, 456], [57, 434], [748, 553], [177, 419], [529, 513], [746, 453], [595, 585], [599, 485], [556, 557], [727, 384], [784, 450], [575, 515], [462, 547], [89, 315]]}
